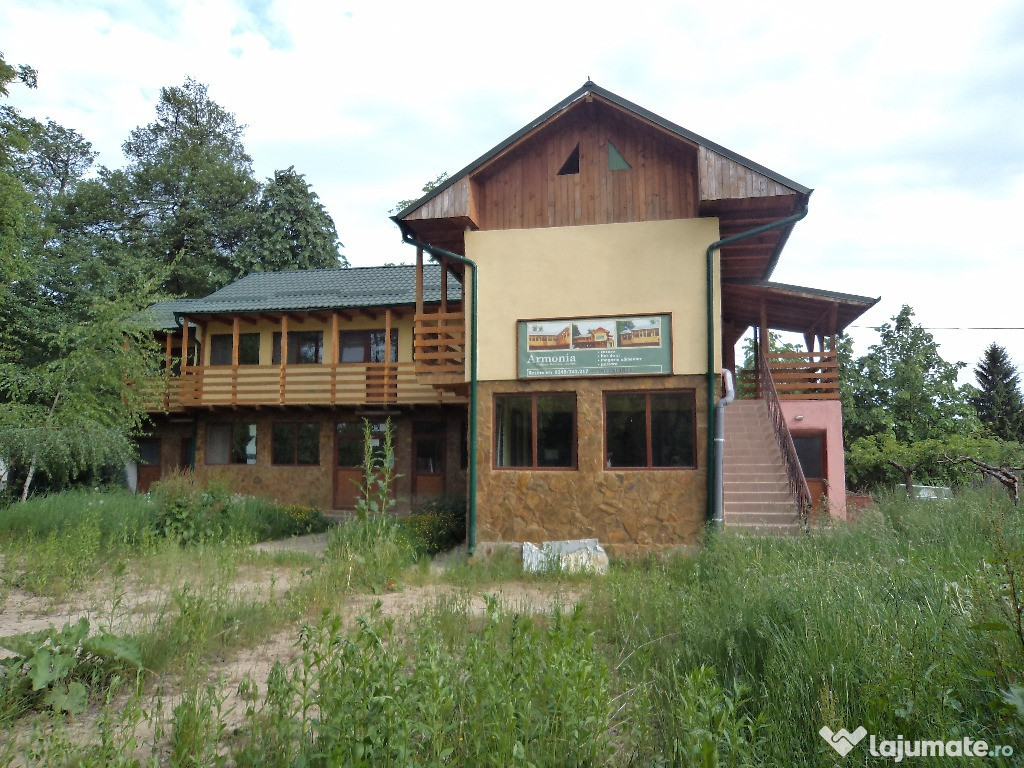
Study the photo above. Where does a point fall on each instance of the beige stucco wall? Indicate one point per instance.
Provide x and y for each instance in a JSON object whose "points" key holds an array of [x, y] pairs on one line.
{"points": [[593, 271], [359, 322]]}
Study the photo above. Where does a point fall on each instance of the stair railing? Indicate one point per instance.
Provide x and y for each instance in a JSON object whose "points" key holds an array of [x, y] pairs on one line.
{"points": [[794, 472]]}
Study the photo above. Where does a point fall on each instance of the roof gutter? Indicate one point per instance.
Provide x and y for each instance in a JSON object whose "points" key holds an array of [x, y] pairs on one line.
{"points": [[433, 250], [713, 476]]}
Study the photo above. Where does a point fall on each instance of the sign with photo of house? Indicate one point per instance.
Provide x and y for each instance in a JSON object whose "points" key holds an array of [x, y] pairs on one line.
{"points": [[595, 346]]}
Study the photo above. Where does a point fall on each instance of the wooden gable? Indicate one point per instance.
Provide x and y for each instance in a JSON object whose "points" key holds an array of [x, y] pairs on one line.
{"points": [[596, 158], [523, 188]]}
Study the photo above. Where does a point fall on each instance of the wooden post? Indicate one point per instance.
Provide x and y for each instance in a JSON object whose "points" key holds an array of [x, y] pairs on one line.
{"points": [[168, 361], [234, 360], [419, 280], [184, 354], [387, 353], [335, 354], [444, 285], [284, 357]]}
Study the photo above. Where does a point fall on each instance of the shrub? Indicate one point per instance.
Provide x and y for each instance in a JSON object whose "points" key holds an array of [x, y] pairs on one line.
{"points": [[436, 526]]}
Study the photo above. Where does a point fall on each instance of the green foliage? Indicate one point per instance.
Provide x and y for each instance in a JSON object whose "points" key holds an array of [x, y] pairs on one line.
{"points": [[369, 553], [998, 400], [882, 460], [436, 526], [55, 668], [291, 229], [905, 387], [430, 186], [512, 694]]}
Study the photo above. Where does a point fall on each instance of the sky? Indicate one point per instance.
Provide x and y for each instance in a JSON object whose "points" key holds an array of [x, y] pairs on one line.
{"points": [[906, 119]]}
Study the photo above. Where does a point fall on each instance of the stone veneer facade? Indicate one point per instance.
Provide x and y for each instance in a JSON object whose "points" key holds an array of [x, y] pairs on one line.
{"points": [[311, 485], [628, 511]]}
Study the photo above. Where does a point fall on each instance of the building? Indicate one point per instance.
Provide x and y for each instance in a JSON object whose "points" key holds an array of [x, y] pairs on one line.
{"points": [[282, 370], [602, 212], [657, 244]]}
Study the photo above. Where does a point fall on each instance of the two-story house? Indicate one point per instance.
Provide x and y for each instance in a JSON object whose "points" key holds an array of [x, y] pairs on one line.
{"points": [[282, 371], [556, 353]]}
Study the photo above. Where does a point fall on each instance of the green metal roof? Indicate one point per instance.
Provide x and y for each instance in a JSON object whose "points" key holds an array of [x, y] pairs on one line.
{"points": [[310, 289], [160, 316], [594, 88]]}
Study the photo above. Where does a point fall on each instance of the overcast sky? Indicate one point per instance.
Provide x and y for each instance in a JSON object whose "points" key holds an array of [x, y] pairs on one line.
{"points": [[906, 118]]}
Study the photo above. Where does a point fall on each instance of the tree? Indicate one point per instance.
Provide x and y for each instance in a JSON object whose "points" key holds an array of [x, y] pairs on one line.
{"points": [[905, 387], [16, 210], [185, 199], [998, 400], [291, 229], [430, 186]]}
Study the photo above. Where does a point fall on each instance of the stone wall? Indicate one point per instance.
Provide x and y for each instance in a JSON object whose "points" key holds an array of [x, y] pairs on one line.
{"points": [[628, 511], [310, 485]]}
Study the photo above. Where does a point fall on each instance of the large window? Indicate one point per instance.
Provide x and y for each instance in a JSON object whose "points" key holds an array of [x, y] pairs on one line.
{"points": [[535, 431], [295, 443], [304, 347], [366, 346], [649, 429], [232, 443], [248, 348]]}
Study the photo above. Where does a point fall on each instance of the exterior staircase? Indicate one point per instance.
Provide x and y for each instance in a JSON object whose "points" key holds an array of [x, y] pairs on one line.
{"points": [[756, 495]]}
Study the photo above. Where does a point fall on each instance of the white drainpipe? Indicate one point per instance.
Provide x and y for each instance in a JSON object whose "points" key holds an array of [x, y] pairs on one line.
{"points": [[730, 395]]}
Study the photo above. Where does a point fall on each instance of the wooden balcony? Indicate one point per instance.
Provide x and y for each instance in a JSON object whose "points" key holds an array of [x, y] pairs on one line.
{"points": [[439, 345], [797, 376], [327, 384]]}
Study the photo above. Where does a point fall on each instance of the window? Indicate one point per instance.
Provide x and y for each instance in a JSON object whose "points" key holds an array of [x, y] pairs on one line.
{"points": [[366, 346], [810, 451], [350, 441], [233, 443], [571, 166], [616, 162], [149, 453], [295, 443], [304, 347], [535, 431], [650, 429], [248, 349]]}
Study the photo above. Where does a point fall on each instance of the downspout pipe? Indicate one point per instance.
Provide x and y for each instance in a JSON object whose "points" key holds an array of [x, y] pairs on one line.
{"points": [[433, 250], [713, 477], [730, 395]]}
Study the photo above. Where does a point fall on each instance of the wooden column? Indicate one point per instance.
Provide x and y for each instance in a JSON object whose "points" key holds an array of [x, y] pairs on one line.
{"points": [[387, 354], [444, 285], [168, 362], [234, 360], [284, 357], [184, 354], [335, 353], [419, 280]]}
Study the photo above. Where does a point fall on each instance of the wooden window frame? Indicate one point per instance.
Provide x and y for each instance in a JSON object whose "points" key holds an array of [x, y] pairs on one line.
{"points": [[214, 337], [295, 444], [648, 445], [230, 462], [293, 347], [533, 467], [367, 348]]}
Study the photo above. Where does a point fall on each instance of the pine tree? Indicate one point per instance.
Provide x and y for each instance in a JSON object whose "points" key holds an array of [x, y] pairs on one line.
{"points": [[999, 402]]}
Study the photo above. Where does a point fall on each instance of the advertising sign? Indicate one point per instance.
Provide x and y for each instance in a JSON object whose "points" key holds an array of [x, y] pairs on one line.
{"points": [[595, 346]]}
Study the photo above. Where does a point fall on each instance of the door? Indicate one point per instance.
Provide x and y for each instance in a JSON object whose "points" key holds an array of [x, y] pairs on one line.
{"points": [[428, 446], [348, 470], [810, 449], [149, 464]]}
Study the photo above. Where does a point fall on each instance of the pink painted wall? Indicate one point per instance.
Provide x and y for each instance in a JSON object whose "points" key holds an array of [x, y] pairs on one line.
{"points": [[823, 416]]}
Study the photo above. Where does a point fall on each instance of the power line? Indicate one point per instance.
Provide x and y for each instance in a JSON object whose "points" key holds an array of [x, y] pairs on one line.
{"points": [[950, 328]]}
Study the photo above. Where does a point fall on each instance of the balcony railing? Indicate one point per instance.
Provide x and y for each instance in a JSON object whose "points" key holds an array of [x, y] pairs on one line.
{"points": [[794, 472], [797, 376], [440, 347], [319, 384]]}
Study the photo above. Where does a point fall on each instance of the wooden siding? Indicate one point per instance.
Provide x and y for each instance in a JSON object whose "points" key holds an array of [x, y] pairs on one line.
{"points": [[722, 179], [523, 190], [451, 203]]}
